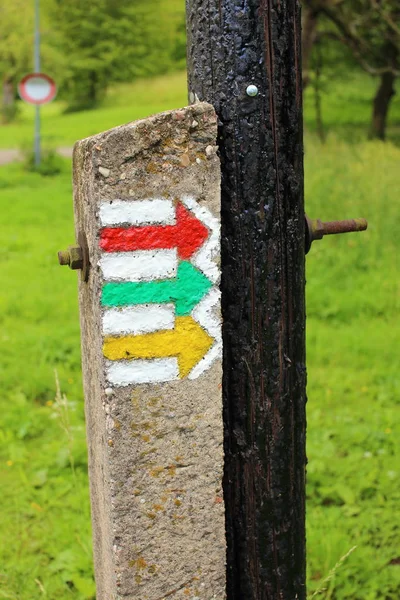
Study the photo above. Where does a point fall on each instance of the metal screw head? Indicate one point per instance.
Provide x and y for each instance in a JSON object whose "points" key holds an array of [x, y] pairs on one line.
{"points": [[252, 90]]}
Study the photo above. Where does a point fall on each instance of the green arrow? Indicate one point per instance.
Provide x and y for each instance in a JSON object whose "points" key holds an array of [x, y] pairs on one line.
{"points": [[186, 290]]}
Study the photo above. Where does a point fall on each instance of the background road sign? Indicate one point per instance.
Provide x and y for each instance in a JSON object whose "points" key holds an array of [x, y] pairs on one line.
{"points": [[37, 88]]}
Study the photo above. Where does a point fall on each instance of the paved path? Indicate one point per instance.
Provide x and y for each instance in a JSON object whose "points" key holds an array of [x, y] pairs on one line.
{"points": [[8, 156]]}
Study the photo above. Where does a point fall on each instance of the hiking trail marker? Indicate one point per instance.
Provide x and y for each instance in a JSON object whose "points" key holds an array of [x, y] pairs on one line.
{"points": [[148, 199], [152, 335], [147, 212]]}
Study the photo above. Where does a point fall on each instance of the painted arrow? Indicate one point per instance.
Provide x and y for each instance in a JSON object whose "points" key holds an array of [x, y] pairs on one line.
{"points": [[188, 342], [186, 290], [187, 235]]}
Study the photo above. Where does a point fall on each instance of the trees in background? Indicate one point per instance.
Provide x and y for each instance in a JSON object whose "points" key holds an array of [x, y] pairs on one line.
{"points": [[90, 44], [370, 29], [15, 51], [106, 41], [86, 45], [310, 16], [16, 48]]}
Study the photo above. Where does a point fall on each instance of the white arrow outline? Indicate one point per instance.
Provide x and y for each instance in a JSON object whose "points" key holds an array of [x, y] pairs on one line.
{"points": [[206, 259], [205, 315]]}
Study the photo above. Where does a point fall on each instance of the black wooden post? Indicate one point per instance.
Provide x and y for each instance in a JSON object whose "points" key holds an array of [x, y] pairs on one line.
{"points": [[234, 44]]}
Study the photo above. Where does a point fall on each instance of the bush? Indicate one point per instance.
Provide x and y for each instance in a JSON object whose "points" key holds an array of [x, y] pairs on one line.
{"points": [[9, 113], [51, 163]]}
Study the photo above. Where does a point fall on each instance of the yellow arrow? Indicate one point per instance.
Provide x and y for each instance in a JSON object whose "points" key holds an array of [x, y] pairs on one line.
{"points": [[188, 341]]}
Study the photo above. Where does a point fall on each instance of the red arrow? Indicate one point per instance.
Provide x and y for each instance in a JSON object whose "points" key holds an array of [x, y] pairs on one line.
{"points": [[188, 235]]}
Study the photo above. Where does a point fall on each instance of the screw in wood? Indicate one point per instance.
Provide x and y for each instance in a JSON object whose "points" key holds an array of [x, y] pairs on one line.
{"points": [[252, 90]]}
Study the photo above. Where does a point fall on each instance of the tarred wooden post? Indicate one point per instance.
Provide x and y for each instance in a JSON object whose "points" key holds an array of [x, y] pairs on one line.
{"points": [[244, 58]]}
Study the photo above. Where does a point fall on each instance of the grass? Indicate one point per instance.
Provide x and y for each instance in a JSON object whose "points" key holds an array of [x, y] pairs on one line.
{"points": [[354, 383], [346, 108], [123, 103], [44, 517], [353, 301]]}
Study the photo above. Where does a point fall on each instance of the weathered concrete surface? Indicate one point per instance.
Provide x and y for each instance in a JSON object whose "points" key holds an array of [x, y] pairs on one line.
{"points": [[155, 450]]}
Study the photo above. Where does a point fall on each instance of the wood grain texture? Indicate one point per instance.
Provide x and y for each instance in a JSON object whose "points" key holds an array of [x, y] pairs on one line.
{"points": [[232, 44]]}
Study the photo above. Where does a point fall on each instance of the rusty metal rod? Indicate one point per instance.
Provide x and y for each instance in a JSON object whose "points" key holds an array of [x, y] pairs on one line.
{"points": [[346, 226], [316, 229], [64, 257]]}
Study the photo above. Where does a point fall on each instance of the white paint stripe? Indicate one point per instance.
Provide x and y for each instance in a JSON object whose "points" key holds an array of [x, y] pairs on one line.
{"points": [[143, 265], [206, 362], [138, 319], [207, 314], [139, 212], [207, 258], [157, 370]]}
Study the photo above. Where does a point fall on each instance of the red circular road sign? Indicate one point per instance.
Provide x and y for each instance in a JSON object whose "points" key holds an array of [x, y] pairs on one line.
{"points": [[37, 88]]}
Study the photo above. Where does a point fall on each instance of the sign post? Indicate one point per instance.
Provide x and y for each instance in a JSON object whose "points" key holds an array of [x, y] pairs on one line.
{"points": [[245, 60], [37, 88], [37, 70], [147, 216], [194, 357]]}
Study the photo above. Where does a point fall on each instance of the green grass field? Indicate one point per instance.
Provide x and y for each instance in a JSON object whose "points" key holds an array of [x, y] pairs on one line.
{"points": [[353, 299], [123, 103], [346, 111]]}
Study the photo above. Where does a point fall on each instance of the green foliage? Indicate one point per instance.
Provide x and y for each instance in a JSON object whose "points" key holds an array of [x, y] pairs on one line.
{"points": [[354, 386], [123, 103], [16, 38], [51, 163], [368, 28], [16, 45], [366, 32], [353, 303], [9, 112], [15, 54], [86, 45], [105, 41], [346, 107], [337, 61], [98, 40], [45, 516], [371, 29]]}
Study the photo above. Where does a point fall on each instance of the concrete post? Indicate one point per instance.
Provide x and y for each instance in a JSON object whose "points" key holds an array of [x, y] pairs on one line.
{"points": [[147, 200]]}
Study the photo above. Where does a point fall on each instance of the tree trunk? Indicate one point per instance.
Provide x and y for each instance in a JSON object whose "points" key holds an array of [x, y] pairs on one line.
{"points": [[93, 89], [231, 45], [8, 101], [381, 105], [317, 95], [309, 35]]}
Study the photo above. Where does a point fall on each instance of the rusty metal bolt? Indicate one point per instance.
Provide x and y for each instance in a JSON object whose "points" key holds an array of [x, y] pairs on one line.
{"points": [[77, 256], [73, 257], [63, 257], [316, 229]]}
